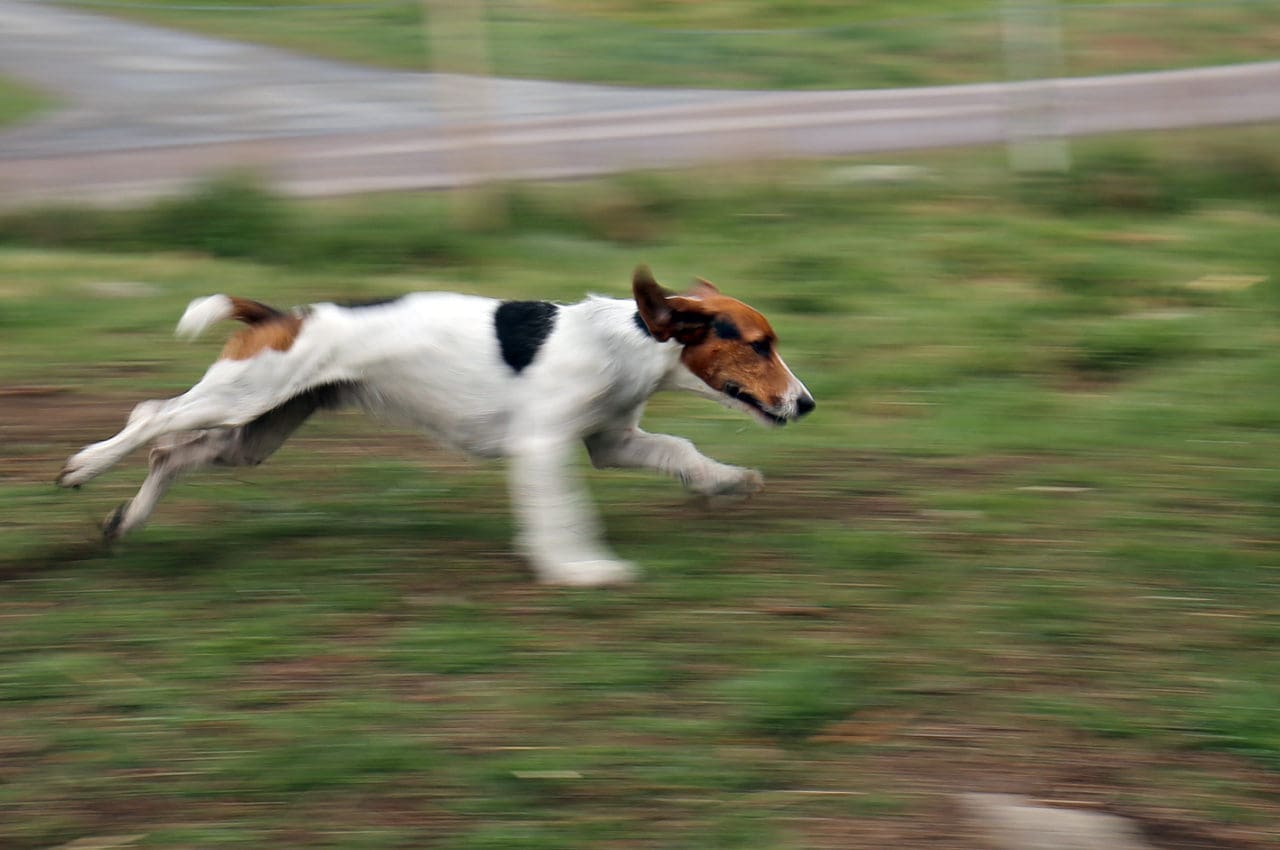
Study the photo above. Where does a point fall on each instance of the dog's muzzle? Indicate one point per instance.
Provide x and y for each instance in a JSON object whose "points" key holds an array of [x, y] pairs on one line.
{"points": [[804, 404]]}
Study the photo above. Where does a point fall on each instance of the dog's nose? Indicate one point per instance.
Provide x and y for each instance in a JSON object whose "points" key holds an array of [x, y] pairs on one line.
{"points": [[805, 405]]}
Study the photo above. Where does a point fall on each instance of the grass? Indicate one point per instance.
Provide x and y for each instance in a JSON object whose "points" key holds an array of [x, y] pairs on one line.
{"points": [[19, 102], [1026, 542], [729, 43]]}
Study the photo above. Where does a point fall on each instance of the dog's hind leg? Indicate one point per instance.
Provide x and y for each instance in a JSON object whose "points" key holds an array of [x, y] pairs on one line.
{"points": [[175, 455], [231, 393]]}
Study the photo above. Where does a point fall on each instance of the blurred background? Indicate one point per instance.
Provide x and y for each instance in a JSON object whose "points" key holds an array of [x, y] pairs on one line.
{"points": [[1019, 567]]}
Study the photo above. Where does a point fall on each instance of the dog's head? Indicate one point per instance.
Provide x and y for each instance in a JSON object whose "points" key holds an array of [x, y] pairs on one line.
{"points": [[727, 345]]}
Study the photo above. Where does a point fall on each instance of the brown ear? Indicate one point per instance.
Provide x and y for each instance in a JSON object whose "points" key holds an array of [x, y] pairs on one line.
{"points": [[651, 301], [665, 314], [702, 289]]}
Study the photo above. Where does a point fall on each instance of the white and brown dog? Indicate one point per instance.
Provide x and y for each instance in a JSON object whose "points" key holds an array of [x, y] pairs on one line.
{"points": [[524, 380]]}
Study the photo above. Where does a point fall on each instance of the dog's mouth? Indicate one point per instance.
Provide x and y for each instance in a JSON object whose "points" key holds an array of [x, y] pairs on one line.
{"points": [[737, 393]]}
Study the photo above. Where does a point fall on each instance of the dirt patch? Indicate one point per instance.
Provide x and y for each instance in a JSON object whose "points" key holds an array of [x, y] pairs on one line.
{"points": [[40, 426], [924, 762]]}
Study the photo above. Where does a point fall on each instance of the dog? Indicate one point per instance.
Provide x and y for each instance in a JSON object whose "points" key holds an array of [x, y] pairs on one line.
{"points": [[524, 380]]}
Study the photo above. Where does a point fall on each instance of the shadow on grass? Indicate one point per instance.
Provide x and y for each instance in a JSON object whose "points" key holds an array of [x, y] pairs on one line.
{"points": [[309, 537], [44, 560]]}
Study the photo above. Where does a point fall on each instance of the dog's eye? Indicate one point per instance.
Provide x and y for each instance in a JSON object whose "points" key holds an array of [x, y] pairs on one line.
{"points": [[762, 347], [725, 329]]}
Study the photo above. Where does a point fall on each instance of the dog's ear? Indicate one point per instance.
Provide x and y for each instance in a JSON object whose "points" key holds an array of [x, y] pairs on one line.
{"points": [[667, 315], [702, 289]]}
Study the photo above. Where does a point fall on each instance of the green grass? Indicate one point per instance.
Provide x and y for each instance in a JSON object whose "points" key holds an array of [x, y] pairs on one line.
{"points": [[19, 102], [731, 43], [1026, 542]]}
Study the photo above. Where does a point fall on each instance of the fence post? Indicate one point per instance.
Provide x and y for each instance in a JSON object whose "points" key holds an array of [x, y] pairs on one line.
{"points": [[1033, 63], [457, 40]]}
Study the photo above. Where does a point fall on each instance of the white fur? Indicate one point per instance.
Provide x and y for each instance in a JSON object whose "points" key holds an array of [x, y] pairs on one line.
{"points": [[433, 360]]}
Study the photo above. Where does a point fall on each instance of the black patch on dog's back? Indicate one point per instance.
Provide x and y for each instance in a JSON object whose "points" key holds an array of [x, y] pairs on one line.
{"points": [[370, 302], [522, 327]]}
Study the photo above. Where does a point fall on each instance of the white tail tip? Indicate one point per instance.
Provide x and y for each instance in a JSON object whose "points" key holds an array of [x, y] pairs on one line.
{"points": [[201, 313]]}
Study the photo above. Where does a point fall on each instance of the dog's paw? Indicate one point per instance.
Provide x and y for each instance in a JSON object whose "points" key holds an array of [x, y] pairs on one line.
{"points": [[75, 472], [595, 573], [737, 488], [86, 465], [112, 526], [748, 484]]}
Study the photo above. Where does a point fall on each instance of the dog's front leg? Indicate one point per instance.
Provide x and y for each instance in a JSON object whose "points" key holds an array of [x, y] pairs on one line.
{"points": [[559, 533], [631, 448]]}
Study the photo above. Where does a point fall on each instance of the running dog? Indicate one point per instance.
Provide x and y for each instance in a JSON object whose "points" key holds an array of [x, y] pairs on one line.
{"points": [[525, 380]]}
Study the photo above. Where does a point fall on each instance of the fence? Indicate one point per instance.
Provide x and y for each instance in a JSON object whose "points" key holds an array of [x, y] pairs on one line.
{"points": [[538, 40]]}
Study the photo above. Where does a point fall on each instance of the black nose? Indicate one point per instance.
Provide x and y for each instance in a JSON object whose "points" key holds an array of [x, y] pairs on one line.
{"points": [[805, 405]]}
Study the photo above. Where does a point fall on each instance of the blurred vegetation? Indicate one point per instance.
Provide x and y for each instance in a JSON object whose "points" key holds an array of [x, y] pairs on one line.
{"points": [[737, 44], [19, 102], [1027, 542], [234, 216]]}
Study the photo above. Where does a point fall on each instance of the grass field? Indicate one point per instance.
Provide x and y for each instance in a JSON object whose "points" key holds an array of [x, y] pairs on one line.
{"points": [[19, 102], [731, 43], [1026, 543]]}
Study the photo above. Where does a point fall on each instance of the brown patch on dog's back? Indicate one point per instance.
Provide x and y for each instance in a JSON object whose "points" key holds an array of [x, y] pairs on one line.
{"points": [[254, 312], [276, 333]]}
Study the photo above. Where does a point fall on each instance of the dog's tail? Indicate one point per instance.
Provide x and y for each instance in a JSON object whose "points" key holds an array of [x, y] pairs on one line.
{"points": [[203, 312]]}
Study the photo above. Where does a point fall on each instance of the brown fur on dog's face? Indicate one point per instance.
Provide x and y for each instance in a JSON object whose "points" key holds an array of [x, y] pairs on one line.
{"points": [[727, 344]]}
